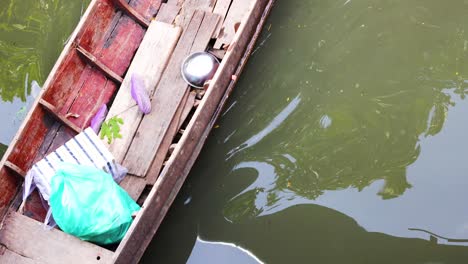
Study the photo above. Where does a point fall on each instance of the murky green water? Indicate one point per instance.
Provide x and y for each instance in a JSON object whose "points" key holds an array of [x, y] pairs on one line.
{"points": [[32, 35], [348, 127]]}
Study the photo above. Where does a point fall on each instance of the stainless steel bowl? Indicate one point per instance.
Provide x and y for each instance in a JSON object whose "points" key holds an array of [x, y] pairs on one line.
{"points": [[198, 68]]}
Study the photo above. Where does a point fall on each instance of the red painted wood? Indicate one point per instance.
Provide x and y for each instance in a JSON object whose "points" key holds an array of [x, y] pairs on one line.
{"points": [[94, 33], [147, 8], [30, 141], [33, 207], [114, 39], [9, 184], [90, 98], [119, 49], [68, 78]]}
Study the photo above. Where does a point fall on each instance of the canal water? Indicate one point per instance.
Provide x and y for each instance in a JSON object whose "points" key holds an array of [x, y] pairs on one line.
{"points": [[345, 140]]}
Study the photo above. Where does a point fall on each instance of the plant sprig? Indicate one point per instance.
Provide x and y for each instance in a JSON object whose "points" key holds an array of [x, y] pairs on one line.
{"points": [[111, 129]]}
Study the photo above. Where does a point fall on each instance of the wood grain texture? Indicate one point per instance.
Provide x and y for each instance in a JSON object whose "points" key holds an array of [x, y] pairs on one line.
{"points": [[8, 256], [133, 185], [93, 61], [161, 155], [168, 95], [221, 8], [188, 7], [53, 111], [171, 179], [15, 169], [167, 13], [239, 9], [130, 11], [29, 239], [149, 63], [9, 187]]}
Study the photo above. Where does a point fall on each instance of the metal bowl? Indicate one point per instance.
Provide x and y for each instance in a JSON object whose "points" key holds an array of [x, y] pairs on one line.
{"points": [[198, 68]]}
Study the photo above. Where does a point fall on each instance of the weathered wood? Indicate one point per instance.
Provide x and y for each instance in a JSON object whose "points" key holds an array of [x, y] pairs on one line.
{"points": [[168, 95], [136, 185], [147, 9], [9, 186], [168, 184], [167, 13], [52, 110], [239, 9], [218, 53], [29, 239], [103, 20], [188, 7], [131, 12], [175, 2], [221, 8], [133, 185], [149, 64], [187, 108], [158, 161], [8, 256], [93, 61], [15, 168]]}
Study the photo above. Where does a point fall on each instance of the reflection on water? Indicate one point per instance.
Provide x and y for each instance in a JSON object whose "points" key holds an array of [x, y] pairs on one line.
{"points": [[32, 35], [347, 129]]}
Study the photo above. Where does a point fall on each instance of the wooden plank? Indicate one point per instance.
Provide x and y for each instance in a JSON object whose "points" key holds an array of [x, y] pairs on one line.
{"points": [[161, 155], [239, 9], [103, 21], [93, 61], [168, 96], [53, 111], [187, 108], [168, 184], [133, 185], [149, 63], [29, 239], [136, 185], [175, 2], [221, 8], [188, 7], [15, 168], [9, 187], [146, 8], [8, 256], [131, 12], [168, 13]]}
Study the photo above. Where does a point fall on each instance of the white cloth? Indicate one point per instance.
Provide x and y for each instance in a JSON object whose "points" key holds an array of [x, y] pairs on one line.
{"points": [[84, 149]]}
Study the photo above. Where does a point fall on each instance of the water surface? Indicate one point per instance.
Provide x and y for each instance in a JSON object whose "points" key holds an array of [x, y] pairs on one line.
{"points": [[345, 141]]}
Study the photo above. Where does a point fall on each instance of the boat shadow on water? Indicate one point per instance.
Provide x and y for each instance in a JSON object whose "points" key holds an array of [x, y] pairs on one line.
{"points": [[294, 235]]}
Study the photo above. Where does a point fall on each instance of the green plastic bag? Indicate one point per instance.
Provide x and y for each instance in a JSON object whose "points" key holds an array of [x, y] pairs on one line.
{"points": [[87, 203]]}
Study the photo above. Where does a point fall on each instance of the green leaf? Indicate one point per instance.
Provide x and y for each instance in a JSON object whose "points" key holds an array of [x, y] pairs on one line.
{"points": [[110, 129]]}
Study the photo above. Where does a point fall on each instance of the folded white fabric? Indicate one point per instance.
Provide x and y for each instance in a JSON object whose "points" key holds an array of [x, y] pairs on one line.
{"points": [[84, 149]]}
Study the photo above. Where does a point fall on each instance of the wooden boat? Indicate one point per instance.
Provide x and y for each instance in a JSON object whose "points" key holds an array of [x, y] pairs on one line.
{"points": [[113, 39]]}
